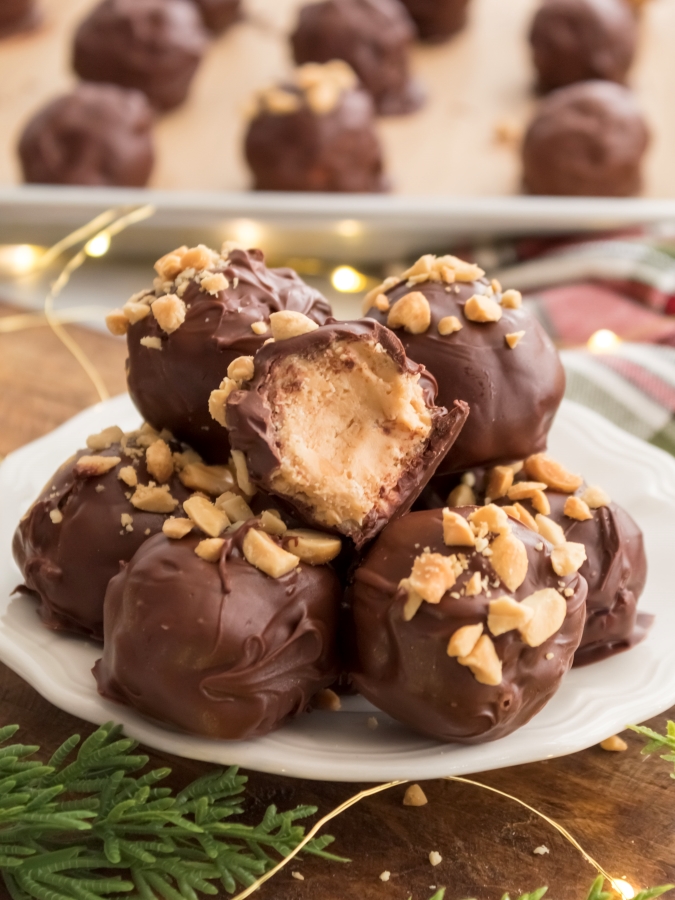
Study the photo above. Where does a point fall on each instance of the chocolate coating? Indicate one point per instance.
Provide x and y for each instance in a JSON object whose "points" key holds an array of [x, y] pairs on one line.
{"points": [[152, 45], [218, 15], [18, 15], [217, 649], [99, 134], [251, 430], [171, 387], [338, 151], [513, 395], [373, 36], [68, 565], [437, 20], [587, 139], [403, 667], [580, 40]]}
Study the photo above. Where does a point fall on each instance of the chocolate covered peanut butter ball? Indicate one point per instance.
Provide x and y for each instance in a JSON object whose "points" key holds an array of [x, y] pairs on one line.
{"points": [[316, 132], [224, 637], [373, 36], [581, 40], [218, 15], [93, 514], [206, 309], [482, 347], [337, 422], [18, 15], [437, 20], [98, 134], [587, 139], [464, 622], [154, 46]]}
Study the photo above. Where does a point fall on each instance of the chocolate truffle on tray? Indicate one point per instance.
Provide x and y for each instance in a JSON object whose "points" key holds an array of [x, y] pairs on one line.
{"points": [[18, 15], [464, 622], [227, 636], [206, 309], [152, 45], [579, 40], [218, 15], [437, 20], [315, 132], [373, 36], [481, 346], [587, 139], [337, 422], [98, 134]]}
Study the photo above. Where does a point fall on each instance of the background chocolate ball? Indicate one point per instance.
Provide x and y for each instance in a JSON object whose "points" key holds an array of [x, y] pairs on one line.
{"points": [[581, 40], [152, 45], [17, 15], [437, 20], [587, 139], [217, 649], [218, 15], [373, 36], [403, 666], [99, 134]]}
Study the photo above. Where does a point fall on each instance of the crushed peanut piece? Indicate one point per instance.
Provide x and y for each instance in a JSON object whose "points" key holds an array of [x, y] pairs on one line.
{"points": [[595, 497], [152, 343], [288, 324], [298, 876], [462, 495], [171, 264], [272, 523], [105, 439], [135, 312], [499, 482], [524, 490], [414, 796], [56, 516], [543, 468], [328, 700], [213, 283], [93, 466], [371, 297], [312, 547], [568, 558], [241, 369], [449, 325], [491, 516], [464, 640], [385, 876], [382, 303], [576, 508], [177, 528], [549, 613], [550, 530], [456, 530], [209, 549], [218, 400], [483, 661], [259, 328], [126, 520], [412, 603], [541, 851], [525, 518], [509, 560], [506, 614], [539, 501], [432, 575], [151, 498], [241, 471], [236, 508], [435, 858], [474, 585], [512, 299], [159, 461], [263, 553], [116, 322], [480, 308], [206, 515], [214, 480], [514, 338], [170, 312], [411, 312], [614, 744]]}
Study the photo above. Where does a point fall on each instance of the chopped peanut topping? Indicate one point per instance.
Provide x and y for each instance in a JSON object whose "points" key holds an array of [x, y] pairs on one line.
{"points": [[509, 560], [413, 602], [576, 508], [171, 264], [170, 312], [568, 558], [464, 640], [462, 495], [371, 297], [540, 502], [432, 575], [128, 475], [199, 258], [412, 313], [449, 325], [483, 661], [550, 530], [382, 303], [206, 516], [524, 490], [241, 471], [177, 528], [214, 480], [261, 551], [272, 523], [117, 323], [185, 458], [288, 324], [595, 497], [93, 466], [549, 610], [456, 530], [214, 283], [614, 744], [151, 498], [480, 308], [552, 473], [474, 585], [414, 796], [241, 369], [135, 311], [209, 549], [512, 299], [514, 338], [525, 518], [493, 516], [56, 516], [218, 400], [312, 547], [501, 479], [328, 700], [259, 328], [152, 343], [105, 439], [280, 102], [159, 461], [236, 508], [506, 614]]}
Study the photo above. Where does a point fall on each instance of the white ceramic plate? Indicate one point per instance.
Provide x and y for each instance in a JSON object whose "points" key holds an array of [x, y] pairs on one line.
{"points": [[592, 703]]}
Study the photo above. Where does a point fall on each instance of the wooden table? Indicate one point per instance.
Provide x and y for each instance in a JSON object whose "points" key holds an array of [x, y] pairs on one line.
{"points": [[619, 806]]}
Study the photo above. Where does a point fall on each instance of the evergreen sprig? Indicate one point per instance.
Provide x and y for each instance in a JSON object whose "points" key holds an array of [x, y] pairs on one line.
{"points": [[86, 826]]}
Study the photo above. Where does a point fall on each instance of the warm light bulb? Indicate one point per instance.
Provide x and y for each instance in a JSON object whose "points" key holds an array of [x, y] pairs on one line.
{"points": [[349, 228], [348, 280], [603, 341], [246, 232], [622, 887], [18, 259], [98, 245]]}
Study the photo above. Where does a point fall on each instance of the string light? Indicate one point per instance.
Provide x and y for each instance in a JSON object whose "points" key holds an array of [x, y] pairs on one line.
{"points": [[626, 890], [349, 228], [603, 341], [19, 259], [98, 245], [246, 232], [348, 280]]}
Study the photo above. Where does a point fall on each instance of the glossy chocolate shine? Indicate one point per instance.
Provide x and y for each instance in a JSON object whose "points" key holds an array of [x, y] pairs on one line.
{"points": [[68, 565], [171, 386], [513, 394], [217, 649], [403, 667]]}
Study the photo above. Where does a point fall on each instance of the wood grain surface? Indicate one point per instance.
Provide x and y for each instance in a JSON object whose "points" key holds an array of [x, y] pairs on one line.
{"points": [[476, 83], [619, 806]]}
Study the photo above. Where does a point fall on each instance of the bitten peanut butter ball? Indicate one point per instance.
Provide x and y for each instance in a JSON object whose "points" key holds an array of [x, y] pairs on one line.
{"points": [[218, 15], [98, 134], [546, 497], [587, 139], [580, 40], [94, 513], [465, 622], [437, 20], [482, 347], [205, 310], [373, 36], [316, 132], [154, 46], [337, 422], [224, 637], [18, 15]]}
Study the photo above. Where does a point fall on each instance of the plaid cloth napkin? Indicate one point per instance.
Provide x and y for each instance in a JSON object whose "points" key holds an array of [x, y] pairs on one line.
{"points": [[623, 282]]}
